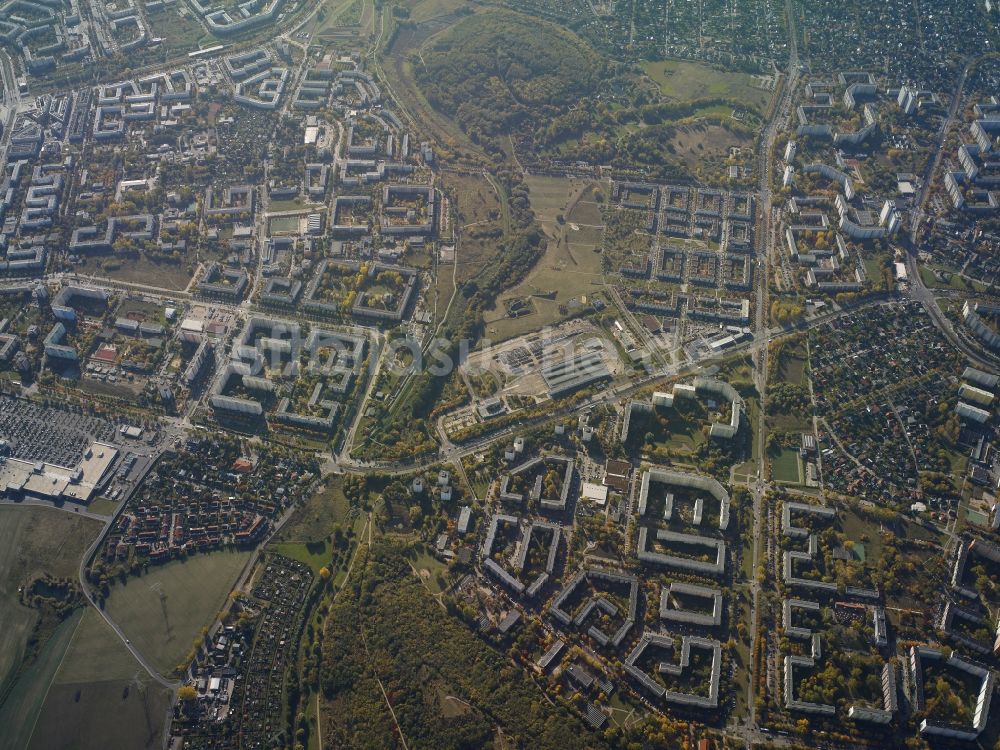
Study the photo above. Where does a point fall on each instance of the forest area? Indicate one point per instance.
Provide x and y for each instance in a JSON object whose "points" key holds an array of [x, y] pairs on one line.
{"points": [[388, 629]]}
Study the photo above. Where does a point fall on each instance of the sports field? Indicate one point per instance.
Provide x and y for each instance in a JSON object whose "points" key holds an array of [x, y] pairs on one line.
{"points": [[786, 467]]}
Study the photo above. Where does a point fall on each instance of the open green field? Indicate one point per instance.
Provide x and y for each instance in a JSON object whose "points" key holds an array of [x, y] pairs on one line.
{"points": [[313, 522], [141, 270], [284, 224], [950, 278], [102, 506], [425, 9], [163, 611], [431, 571], [33, 541], [180, 30], [550, 196], [76, 717], [690, 82], [98, 679], [786, 467], [96, 653], [678, 430], [571, 267], [478, 212], [792, 363], [741, 658], [793, 370], [338, 14], [313, 554], [295, 204]]}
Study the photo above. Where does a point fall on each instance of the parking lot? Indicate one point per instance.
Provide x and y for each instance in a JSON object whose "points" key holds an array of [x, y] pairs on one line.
{"points": [[37, 433]]}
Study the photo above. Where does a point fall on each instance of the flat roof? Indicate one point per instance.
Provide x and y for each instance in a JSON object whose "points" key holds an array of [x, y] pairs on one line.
{"points": [[596, 492], [53, 481]]}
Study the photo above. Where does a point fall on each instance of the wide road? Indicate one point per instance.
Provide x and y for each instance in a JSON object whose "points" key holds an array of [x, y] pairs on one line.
{"points": [[11, 101], [762, 336]]}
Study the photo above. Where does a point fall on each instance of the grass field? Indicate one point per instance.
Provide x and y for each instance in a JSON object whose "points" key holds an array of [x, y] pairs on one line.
{"points": [[296, 204], [284, 224], [102, 506], [478, 213], [142, 270], [33, 541], [442, 291], [741, 660], [313, 522], [181, 32], [955, 281], [786, 467], [80, 717], [690, 81], [96, 654], [431, 571], [571, 266], [338, 14], [97, 679], [678, 430], [793, 370], [313, 554], [697, 143], [426, 9], [163, 611]]}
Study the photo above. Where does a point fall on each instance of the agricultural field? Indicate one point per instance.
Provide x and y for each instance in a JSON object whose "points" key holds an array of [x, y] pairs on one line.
{"points": [[23, 703], [98, 678], [164, 610], [33, 542]]}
